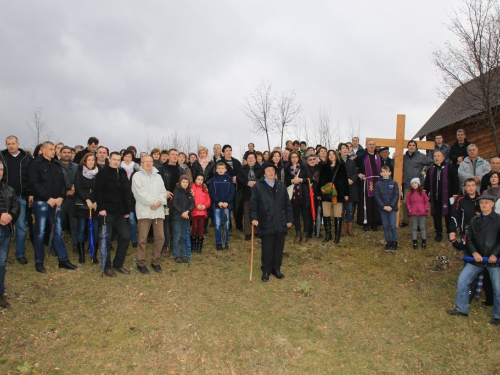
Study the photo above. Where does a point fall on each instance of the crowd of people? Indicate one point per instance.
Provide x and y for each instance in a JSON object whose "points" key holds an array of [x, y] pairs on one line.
{"points": [[168, 197]]}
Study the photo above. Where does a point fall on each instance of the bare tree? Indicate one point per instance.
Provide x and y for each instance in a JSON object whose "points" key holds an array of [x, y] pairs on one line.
{"points": [[41, 130], [287, 110], [324, 133], [353, 129], [472, 65], [259, 109]]}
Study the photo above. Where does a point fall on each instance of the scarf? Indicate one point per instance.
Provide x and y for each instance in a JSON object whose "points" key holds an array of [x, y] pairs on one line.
{"points": [[251, 174], [439, 183], [297, 189], [127, 168], [89, 173], [204, 162], [371, 176]]}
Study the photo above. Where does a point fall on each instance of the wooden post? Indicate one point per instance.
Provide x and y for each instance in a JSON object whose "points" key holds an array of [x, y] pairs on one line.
{"points": [[399, 144]]}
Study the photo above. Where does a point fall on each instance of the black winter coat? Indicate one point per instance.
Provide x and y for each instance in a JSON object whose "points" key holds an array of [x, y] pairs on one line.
{"points": [[46, 179], [11, 201], [456, 151], [352, 173], [483, 236], [84, 189], [128, 189], [242, 178], [110, 191], [271, 207], [183, 201], [25, 171], [341, 184]]}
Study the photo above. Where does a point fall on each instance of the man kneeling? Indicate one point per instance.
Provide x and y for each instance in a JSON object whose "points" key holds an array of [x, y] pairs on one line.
{"points": [[483, 240]]}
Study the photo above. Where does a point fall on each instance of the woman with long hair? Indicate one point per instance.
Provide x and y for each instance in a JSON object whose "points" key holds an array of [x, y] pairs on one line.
{"points": [[298, 175], [333, 171]]}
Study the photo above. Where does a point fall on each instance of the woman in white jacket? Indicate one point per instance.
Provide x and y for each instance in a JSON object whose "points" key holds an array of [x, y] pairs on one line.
{"points": [[151, 196]]}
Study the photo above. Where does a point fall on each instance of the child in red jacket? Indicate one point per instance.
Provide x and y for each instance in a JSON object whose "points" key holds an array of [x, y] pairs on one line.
{"points": [[201, 203], [417, 204]]}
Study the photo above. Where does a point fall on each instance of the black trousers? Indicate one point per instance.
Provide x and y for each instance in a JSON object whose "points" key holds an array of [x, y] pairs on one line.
{"points": [[120, 224], [272, 251], [304, 211], [438, 217]]}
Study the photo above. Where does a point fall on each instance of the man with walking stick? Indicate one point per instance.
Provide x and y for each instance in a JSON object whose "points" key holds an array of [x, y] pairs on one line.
{"points": [[271, 212]]}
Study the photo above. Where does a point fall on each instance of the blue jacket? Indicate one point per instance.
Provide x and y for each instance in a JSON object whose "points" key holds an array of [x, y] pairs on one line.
{"points": [[221, 189], [387, 194]]}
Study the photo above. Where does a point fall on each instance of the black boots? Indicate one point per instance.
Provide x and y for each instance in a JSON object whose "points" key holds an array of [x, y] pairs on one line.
{"points": [[338, 226], [424, 244], [328, 228], [388, 245], [200, 244], [415, 244], [81, 252], [194, 244]]}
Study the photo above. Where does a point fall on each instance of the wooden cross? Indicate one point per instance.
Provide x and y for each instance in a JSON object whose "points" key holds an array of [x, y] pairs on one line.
{"points": [[399, 144]]}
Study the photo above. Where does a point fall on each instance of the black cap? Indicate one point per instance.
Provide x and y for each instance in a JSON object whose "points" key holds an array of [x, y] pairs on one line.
{"points": [[266, 165]]}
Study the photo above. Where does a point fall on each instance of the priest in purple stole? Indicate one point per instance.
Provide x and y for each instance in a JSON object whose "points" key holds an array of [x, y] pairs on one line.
{"points": [[368, 164], [442, 186]]}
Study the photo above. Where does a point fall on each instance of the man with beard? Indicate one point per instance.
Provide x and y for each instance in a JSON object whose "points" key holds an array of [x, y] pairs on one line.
{"points": [[69, 169]]}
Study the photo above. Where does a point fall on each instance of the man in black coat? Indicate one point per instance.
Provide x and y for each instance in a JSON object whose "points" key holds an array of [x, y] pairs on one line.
{"points": [[49, 189], [9, 212], [247, 178], [92, 145], [458, 150], [112, 206], [271, 213], [233, 167]]}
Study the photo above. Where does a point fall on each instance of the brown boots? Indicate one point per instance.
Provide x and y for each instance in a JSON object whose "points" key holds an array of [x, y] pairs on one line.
{"points": [[3, 302], [349, 230]]}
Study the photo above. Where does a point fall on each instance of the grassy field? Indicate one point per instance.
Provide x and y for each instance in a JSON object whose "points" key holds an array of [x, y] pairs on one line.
{"points": [[342, 309]]}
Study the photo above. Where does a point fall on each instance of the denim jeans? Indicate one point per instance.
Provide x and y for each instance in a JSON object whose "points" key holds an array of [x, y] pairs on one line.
{"points": [[43, 213], [389, 224], [349, 211], [4, 251], [21, 229], [218, 214], [179, 238], [465, 280], [132, 224]]}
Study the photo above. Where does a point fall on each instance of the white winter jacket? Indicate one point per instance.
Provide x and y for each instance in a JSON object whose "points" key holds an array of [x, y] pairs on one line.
{"points": [[148, 189]]}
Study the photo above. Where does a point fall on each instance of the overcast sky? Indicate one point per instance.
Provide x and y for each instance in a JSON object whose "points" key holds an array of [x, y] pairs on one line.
{"points": [[126, 70]]}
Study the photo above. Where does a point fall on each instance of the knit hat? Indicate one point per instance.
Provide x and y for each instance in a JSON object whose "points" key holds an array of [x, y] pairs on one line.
{"points": [[416, 179]]}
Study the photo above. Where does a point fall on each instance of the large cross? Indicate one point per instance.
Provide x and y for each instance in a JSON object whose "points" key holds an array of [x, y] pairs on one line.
{"points": [[399, 144]]}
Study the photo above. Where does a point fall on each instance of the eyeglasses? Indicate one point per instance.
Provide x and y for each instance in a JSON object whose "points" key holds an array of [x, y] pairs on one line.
{"points": [[146, 162]]}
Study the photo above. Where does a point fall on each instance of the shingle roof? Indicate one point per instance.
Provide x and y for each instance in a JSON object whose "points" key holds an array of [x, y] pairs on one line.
{"points": [[464, 102]]}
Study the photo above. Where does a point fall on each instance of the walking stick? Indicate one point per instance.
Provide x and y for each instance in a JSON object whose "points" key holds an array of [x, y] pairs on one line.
{"points": [[251, 257]]}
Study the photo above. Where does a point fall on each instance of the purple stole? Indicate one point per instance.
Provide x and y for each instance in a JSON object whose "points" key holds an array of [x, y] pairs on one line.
{"points": [[371, 177], [444, 187]]}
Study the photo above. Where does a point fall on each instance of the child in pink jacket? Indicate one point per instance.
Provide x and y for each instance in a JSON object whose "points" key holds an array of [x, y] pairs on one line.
{"points": [[417, 204], [201, 204]]}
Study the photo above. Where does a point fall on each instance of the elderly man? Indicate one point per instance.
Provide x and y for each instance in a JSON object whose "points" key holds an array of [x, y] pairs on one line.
{"points": [[285, 155], [473, 166], [16, 175], [414, 166], [368, 165], [49, 189], [271, 213], [458, 150], [9, 212], [150, 196], [495, 167], [441, 183]]}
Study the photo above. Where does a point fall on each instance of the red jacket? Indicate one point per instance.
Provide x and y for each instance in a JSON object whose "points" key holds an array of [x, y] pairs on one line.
{"points": [[200, 198], [417, 205]]}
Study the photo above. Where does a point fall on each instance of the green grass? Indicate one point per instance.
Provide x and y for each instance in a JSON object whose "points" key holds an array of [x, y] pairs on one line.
{"points": [[342, 309]]}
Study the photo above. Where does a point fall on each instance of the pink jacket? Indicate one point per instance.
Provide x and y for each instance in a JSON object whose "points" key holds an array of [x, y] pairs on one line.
{"points": [[417, 205], [200, 198]]}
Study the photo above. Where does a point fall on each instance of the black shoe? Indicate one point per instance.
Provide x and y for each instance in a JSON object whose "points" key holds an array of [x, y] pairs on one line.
{"points": [[22, 260], [178, 260], [415, 244], [151, 240], [388, 246], [109, 272], [366, 227], [67, 265], [278, 274], [156, 268], [219, 246], [134, 245], [403, 225], [455, 312], [486, 304], [439, 237], [200, 244], [265, 277], [39, 267], [424, 245], [226, 247], [185, 259], [240, 229], [495, 322], [248, 237], [374, 228], [394, 247], [81, 252], [143, 269]]}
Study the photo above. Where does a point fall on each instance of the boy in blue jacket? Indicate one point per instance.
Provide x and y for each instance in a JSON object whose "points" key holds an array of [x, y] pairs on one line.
{"points": [[386, 196], [221, 189]]}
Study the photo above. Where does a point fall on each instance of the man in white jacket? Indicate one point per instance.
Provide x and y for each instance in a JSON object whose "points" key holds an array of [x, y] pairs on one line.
{"points": [[473, 166], [150, 195]]}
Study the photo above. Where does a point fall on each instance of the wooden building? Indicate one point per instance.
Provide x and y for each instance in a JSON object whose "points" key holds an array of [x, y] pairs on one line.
{"points": [[462, 110]]}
